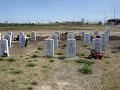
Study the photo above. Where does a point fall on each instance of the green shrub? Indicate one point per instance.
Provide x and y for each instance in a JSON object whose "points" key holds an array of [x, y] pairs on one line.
{"points": [[85, 70], [45, 66], [29, 88], [80, 54], [31, 65], [39, 48], [34, 83], [106, 56], [113, 51], [35, 56], [10, 59], [61, 57], [51, 60], [60, 53], [84, 61], [16, 72]]}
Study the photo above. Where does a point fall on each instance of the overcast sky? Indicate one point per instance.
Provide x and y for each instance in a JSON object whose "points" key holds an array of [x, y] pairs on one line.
{"points": [[57, 10]]}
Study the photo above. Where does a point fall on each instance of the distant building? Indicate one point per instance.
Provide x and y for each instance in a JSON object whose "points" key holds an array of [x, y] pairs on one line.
{"points": [[113, 22]]}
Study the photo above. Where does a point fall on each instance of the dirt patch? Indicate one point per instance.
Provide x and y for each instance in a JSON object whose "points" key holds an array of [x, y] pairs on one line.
{"points": [[113, 38]]}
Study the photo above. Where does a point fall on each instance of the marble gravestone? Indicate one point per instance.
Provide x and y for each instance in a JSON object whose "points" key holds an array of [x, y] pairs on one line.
{"points": [[20, 34], [8, 37], [70, 36], [107, 34], [33, 36], [96, 33], [0, 36], [55, 38], [82, 35], [104, 39], [97, 44], [22, 40], [4, 50], [86, 39], [49, 47], [58, 33], [11, 35], [71, 48]]}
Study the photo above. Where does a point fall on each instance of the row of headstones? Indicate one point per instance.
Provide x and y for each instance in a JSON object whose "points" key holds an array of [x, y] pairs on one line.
{"points": [[5, 43], [97, 43], [86, 37]]}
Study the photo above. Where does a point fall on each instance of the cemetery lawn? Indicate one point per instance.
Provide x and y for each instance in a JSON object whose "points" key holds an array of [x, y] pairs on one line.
{"points": [[28, 69]]}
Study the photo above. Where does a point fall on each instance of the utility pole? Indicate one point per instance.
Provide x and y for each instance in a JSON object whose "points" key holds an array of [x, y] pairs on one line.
{"points": [[105, 19], [114, 17]]}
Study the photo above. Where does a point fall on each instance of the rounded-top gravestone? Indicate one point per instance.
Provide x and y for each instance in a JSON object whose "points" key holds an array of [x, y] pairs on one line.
{"points": [[4, 50]]}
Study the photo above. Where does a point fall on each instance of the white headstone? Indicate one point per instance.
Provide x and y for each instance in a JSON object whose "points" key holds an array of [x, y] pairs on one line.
{"points": [[11, 34], [4, 50], [70, 36], [86, 39], [96, 33], [33, 36], [107, 34], [58, 33], [71, 48], [0, 36], [8, 37], [55, 38], [49, 47], [97, 44], [104, 39], [22, 40], [82, 35], [20, 34]]}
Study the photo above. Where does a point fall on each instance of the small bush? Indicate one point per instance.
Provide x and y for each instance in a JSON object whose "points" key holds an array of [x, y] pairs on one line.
{"points": [[49, 57], [107, 62], [61, 57], [45, 66], [16, 72], [34, 83], [35, 56], [39, 48], [65, 45], [31, 65], [80, 54], [60, 53], [106, 56], [84, 61], [88, 48], [11, 59], [51, 60], [85, 70], [114, 51], [2, 59], [29, 88], [12, 80]]}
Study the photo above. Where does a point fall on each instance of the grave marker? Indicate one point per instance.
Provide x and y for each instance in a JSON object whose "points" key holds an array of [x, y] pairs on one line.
{"points": [[104, 39], [22, 41], [71, 48], [4, 50], [55, 38], [86, 39], [70, 36], [8, 37], [33, 36], [82, 35], [20, 34], [96, 33], [49, 47], [97, 44]]}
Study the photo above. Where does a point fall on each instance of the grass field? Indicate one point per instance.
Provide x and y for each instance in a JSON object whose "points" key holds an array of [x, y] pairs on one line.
{"points": [[28, 69]]}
